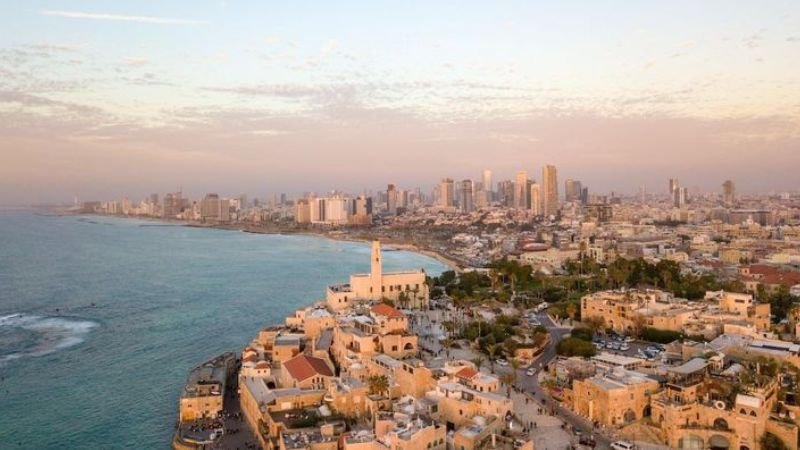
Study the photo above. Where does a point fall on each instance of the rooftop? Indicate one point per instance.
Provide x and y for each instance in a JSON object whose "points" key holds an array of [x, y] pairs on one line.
{"points": [[303, 366]]}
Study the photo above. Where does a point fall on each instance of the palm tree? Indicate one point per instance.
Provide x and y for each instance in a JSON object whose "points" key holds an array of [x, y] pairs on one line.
{"points": [[508, 380], [492, 350], [513, 278], [402, 299], [478, 361], [494, 277], [378, 384], [448, 344], [515, 368], [571, 310]]}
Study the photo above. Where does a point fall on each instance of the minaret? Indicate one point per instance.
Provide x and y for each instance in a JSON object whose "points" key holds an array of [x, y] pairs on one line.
{"points": [[376, 272]]}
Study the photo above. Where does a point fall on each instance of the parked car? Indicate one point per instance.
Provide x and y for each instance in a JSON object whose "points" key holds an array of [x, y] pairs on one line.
{"points": [[624, 347], [502, 362], [622, 445], [530, 372], [587, 441], [629, 339]]}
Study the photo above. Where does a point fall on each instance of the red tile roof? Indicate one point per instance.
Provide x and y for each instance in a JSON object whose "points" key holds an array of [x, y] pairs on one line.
{"points": [[302, 367], [466, 373], [787, 279], [761, 269], [382, 309]]}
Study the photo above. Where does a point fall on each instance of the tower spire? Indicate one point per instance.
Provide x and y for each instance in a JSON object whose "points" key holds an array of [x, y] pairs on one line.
{"points": [[376, 271]]}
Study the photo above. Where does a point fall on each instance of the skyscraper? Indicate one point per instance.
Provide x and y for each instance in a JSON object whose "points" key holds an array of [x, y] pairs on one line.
{"points": [[676, 193], [673, 186], [521, 190], [728, 192], [391, 199], [446, 193], [465, 200], [505, 193], [536, 199], [549, 190], [572, 190], [487, 184]]}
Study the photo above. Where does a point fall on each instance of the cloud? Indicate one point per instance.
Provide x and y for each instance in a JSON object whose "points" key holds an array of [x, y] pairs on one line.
{"points": [[123, 18], [270, 90], [752, 41]]}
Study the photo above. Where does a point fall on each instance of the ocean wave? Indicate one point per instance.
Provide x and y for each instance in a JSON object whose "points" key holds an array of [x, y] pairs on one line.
{"points": [[24, 335]]}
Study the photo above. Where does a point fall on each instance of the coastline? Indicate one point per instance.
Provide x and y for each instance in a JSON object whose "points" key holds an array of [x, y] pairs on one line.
{"points": [[451, 263]]}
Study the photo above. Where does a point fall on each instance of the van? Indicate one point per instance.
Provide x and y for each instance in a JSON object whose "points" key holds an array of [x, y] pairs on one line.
{"points": [[622, 445]]}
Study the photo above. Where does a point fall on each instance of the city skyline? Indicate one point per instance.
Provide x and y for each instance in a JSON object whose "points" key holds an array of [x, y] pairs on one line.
{"points": [[110, 99]]}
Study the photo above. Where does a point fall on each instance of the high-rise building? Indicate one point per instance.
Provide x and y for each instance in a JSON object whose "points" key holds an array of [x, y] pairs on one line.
{"points": [[549, 190], [487, 183], [173, 205], [336, 210], [505, 193], [363, 206], [572, 190], [585, 196], [728, 192], [392, 199], [521, 190], [676, 193], [465, 198], [481, 198], [536, 199], [214, 209], [302, 211], [446, 193], [673, 186]]}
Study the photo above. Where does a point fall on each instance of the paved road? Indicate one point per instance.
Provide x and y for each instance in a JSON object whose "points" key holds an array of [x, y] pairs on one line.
{"points": [[531, 385]]}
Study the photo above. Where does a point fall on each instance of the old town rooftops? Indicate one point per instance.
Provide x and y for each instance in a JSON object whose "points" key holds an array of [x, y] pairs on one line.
{"points": [[382, 309], [302, 367]]}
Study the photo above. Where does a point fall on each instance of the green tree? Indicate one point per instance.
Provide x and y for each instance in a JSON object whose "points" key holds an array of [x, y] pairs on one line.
{"points": [[448, 344], [770, 441], [585, 334], [378, 384], [572, 346], [492, 350]]}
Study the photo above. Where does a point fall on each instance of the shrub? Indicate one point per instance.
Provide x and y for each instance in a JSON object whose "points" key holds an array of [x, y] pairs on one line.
{"points": [[660, 336], [572, 346], [585, 334]]}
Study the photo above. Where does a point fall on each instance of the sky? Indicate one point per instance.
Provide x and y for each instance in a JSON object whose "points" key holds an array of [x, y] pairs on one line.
{"points": [[108, 98]]}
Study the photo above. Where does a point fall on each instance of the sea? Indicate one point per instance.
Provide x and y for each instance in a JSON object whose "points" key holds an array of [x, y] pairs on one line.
{"points": [[102, 318]]}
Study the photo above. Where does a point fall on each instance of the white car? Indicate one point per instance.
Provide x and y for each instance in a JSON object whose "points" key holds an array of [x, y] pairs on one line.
{"points": [[622, 445], [624, 347], [502, 362], [530, 372]]}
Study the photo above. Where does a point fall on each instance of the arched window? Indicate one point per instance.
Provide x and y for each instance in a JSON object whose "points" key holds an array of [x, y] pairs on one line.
{"points": [[720, 424]]}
